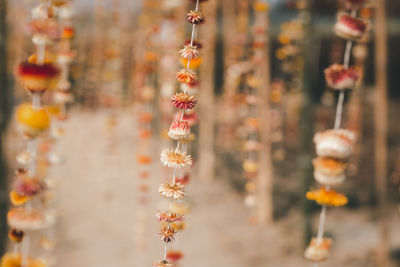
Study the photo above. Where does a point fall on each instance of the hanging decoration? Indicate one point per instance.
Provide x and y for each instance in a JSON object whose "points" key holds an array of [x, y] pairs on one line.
{"points": [[334, 147], [37, 75], [176, 158]]}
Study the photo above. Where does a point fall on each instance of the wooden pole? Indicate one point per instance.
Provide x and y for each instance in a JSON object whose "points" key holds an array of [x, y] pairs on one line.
{"points": [[206, 93], [4, 115], [265, 208], [381, 126]]}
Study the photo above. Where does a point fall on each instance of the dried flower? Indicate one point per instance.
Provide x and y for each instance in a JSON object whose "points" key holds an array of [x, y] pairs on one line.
{"points": [[195, 17], [15, 260], [318, 252], [169, 216], [25, 186], [175, 190], [163, 263], [26, 220], [183, 101], [175, 158], [186, 76], [183, 180], [179, 130], [338, 77], [174, 255], [189, 52], [329, 171], [167, 234], [44, 27], [16, 235], [350, 27], [335, 143], [189, 116], [194, 43], [37, 77], [327, 197]]}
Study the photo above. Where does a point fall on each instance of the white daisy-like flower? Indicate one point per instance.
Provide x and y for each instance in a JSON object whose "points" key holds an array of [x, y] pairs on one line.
{"points": [[176, 190], [175, 158]]}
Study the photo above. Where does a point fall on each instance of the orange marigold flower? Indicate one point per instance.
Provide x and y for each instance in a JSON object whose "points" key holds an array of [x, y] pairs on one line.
{"points": [[17, 199], [327, 197]]}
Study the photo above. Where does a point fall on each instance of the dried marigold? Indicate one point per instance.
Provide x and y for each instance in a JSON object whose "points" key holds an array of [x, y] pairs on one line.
{"points": [[327, 197]]}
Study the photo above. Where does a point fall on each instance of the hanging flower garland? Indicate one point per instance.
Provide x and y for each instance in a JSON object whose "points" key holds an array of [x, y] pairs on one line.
{"points": [[37, 75], [335, 146], [179, 131]]}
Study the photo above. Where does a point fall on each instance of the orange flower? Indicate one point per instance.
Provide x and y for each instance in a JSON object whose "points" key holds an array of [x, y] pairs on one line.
{"points": [[186, 76], [145, 117], [17, 199], [145, 134], [174, 255], [167, 234], [327, 197]]}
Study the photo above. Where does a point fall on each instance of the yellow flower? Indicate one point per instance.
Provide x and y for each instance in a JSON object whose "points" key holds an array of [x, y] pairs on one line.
{"points": [[327, 197], [33, 121]]}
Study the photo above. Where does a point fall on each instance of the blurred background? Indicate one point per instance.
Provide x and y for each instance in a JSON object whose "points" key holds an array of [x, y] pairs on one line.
{"points": [[105, 172]]}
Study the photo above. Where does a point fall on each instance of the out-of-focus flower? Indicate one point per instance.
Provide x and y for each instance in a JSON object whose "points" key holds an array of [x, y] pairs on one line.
{"points": [[250, 166], [46, 28], [197, 44], [25, 220], [329, 171], [15, 260], [17, 199], [318, 252], [338, 77], [350, 27], [334, 143], [193, 64], [183, 101], [175, 190], [37, 77], [167, 234], [189, 52], [16, 235], [175, 158], [145, 117], [178, 226], [251, 145], [144, 159], [24, 157], [179, 130], [186, 76], [27, 186], [260, 6], [174, 255], [327, 197], [32, 121], [68, 32], [183, 180], [145, 134], [195, 17], [169, 216]]}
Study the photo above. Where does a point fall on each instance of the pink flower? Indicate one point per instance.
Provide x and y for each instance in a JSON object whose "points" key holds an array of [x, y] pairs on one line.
{"points": [[340, 78], [350, 27]]}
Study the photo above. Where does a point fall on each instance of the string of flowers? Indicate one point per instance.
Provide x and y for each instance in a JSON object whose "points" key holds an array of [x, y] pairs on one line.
{"points": [[37, 75], [179, 131], [335, 146]]}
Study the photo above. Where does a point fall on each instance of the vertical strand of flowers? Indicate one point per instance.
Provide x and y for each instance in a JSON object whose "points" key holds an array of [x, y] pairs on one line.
{"points": [[37, 74], [179, 131], [335, 146]]}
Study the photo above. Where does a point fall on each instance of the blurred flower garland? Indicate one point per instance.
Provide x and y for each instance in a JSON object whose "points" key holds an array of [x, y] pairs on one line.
{"points": [[335, 146], [37, 75], [180, 132]]}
